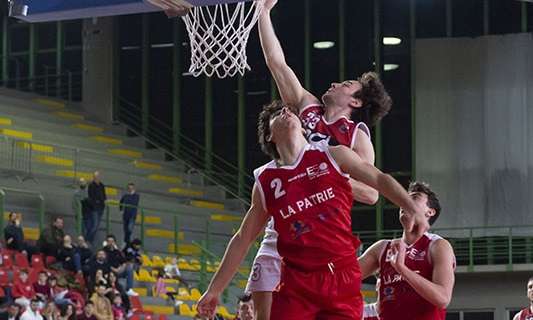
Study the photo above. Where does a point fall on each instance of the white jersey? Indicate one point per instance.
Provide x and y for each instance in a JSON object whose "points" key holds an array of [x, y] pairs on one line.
{"points": [[269, 244]]}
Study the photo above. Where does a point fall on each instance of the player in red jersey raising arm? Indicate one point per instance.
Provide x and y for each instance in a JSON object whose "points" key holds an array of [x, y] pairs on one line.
{"points": [[306, 190], [416, 272], [527, 313]]}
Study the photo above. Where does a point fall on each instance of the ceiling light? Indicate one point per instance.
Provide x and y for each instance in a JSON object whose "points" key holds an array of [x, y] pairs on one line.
{"points": [[323, 44], [391, 41], [390, 66]]}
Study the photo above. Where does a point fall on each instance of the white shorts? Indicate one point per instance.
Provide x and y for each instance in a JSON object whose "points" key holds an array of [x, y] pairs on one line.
{"points": [[265, 274]]}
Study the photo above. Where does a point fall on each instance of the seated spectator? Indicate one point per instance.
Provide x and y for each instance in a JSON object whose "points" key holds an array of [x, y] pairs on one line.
{"points": [[23, 291], [32, 313], [160, 289], [14, 236], [119, 313], [99, 262], [69, 255], [50, 311], [173, 272], [117, 263], [115, 288], [132, 253], [41, 287], [12, 312], [85, 251], [51, 238], [102, 306], [99, 277], [88, 312], [66, 312]]}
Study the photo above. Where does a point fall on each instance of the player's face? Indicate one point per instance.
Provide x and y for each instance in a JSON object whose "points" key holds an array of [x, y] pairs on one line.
{"points": [[421, 200], [341, 94], [283, 124], [530, 290]]}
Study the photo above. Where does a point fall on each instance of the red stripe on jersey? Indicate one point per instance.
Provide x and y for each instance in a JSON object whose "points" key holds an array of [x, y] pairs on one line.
{"points": [[310, 202], [397, 299], [526, 314]]}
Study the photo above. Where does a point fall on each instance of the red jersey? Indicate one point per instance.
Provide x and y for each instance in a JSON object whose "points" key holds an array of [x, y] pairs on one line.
{"points": [[526, 314], [397, 299], [310, 202], [340, 132]]}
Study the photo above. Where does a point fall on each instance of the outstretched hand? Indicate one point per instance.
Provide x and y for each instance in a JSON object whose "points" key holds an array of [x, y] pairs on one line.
{"points": [[207, 305], [398, 249]]}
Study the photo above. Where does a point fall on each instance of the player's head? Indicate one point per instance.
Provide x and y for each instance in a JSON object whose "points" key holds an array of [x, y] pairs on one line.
{"points": [[276, 123], [365, 97], [530, 289], [425, 198]]}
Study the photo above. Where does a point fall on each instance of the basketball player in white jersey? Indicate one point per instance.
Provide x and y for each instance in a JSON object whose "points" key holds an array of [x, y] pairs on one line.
{"points": [[527, 313]]}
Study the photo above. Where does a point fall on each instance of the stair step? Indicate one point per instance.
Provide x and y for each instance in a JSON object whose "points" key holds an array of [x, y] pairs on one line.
{"points": [[87, 127], [225, 218], [55, 161], [158, 309], [5, 122], [162, 233], [108, 140], [186, 192], [147, 165], [35, 146], [17, 134], [126, 153], [164, 178], [50, 103], [148, 219], [70, 174], [69, 115], [207, 204]]}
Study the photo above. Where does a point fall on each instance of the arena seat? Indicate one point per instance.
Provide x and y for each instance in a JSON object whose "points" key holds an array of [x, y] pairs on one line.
{"points": [[21, 260], [4, 278], [37, 261], [185, 310]]}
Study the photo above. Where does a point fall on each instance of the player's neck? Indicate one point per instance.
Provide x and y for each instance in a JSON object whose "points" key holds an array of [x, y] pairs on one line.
{"points": [[334, 113], [290, 149], [410, 237]]}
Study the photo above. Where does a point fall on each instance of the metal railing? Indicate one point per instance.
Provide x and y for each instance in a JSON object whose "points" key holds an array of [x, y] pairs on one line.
{"points": [[178, 146], [67, 85], [5, 194], [478, 246]]}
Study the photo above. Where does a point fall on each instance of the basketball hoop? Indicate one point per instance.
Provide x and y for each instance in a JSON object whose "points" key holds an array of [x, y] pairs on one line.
{"points": [[218, 36]]}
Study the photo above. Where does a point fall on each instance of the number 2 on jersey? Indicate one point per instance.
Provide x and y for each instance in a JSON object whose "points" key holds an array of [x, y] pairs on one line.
{"points": [[276, 185]]}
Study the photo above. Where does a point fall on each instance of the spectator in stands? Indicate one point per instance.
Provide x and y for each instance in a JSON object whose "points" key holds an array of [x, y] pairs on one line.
{"points": [[88, 312], [128, 205], [69, 255], [97, 198], [41, 287], [51, 239], [99, 262], [102, 306], [85, 251], [119, 313], [12, 312], [80, 205], [172, 271], [98, 277], [22, 289], [118, 265], [245, 310], [14, 236], [50, 311], [66, 312], [32, 313], [132, 253], [115, 288]]}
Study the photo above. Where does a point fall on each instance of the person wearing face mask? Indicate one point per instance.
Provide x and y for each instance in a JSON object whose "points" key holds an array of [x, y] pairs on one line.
{"points": [[128, 205]]}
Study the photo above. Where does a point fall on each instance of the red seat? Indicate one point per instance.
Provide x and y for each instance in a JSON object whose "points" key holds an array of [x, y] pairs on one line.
{"points": [[162, 317], [4, 278], [137, 306], [7, 260], [135, 317], [50, 260], [21, 261], [148, 317], [37, 262]]}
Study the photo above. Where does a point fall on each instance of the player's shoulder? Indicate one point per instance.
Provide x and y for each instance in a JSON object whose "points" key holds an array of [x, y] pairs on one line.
{"points": [[313, 107], [269, 165]]}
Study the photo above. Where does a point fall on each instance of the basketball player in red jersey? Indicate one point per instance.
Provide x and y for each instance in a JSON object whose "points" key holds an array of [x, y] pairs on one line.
{"points": [[416, 272], [306, 190], [527, 313]]}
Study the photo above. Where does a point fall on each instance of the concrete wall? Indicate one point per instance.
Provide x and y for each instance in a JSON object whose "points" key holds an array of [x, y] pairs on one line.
{"points": [[498, 291], [98, 68]]}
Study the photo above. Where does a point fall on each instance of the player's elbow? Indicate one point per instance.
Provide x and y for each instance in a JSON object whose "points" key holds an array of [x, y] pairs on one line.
{"points": [[370, 197], [443, 301]]}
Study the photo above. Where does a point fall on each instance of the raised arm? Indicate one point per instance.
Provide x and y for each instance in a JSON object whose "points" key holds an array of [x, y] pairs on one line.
{"points": [[369, 261], [291, 91], [253, 224], [361, 192]]}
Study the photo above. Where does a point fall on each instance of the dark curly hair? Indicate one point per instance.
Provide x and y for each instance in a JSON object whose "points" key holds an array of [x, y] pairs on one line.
{"points": [[433, 200], [376, 101], [263, 128]]}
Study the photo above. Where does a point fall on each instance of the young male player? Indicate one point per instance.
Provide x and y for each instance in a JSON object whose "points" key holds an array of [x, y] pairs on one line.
{"points": [[527, 313], [306, 190], [416, 272]]}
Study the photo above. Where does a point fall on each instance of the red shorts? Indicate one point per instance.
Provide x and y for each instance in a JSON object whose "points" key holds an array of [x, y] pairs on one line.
{"points": [[319, 294]]}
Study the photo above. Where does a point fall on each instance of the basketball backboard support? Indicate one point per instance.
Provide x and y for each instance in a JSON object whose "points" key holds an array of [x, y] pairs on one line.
{"points": [[55, 10]]}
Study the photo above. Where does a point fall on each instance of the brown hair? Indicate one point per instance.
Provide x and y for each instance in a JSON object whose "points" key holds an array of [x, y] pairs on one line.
{"points": [[433, 201], [263, 128], [375, 99]]}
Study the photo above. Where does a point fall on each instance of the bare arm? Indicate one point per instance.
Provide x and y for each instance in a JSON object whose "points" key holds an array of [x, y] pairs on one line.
{"points": [[438, 290], [352, 164], [253, 224], [361, 192], [369, 261], [291, 90], [517, 316]]}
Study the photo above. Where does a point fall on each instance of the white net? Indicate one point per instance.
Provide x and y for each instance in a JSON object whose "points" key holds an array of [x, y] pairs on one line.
{"points": [[218, 37]]}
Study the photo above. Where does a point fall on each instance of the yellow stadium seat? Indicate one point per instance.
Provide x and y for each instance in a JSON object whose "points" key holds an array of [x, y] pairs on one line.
{"points": [[195, 294], [35, 146], [55, 161], [87, 127], [126, 153], [5, 122], [148, 220], [225, 218], [69, 115], [207, 204], [196, 265], [186, 311], [167, 179], [17, 134], [186, 192], [157, 309], [183, 294], [184, 249], [184, 265], [146, 165], [157, 262], [107, 140], [242, 284], [225, 313], [31, 233], [144, 276], [146, 262], [143, 292]]}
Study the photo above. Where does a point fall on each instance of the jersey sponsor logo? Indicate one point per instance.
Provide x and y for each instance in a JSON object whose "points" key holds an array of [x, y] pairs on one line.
{"points": [[415, 254], [388, 294], [315, 137], [307, 202], [256, 272], [298, 228], [317, 170]]}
